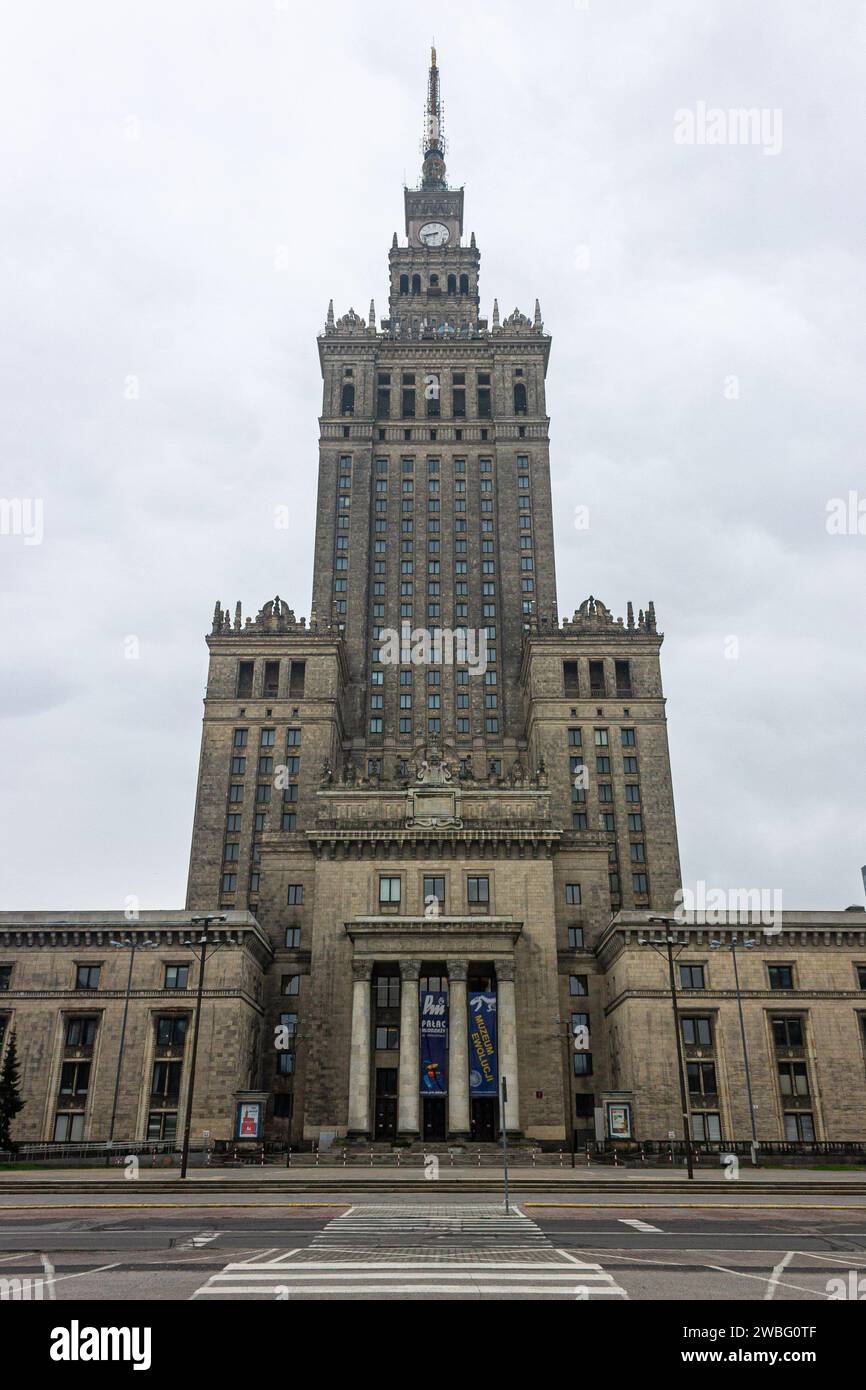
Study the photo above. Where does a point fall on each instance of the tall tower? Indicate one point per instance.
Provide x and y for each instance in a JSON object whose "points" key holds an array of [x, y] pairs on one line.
{"points": [[434, 485], [434, 787]]}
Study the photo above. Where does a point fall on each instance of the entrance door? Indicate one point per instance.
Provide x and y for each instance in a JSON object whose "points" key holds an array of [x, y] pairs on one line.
{"points": [[483, 1119], [385, 1109], [433, 1117]]}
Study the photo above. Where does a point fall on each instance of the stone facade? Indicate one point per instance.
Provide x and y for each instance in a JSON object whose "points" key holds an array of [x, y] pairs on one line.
{"points": [[490, 820], [802, 984]]}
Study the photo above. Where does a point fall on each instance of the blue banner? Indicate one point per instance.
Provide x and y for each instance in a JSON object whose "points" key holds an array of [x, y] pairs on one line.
{"points": [[483, 1062], [434, 1043]]}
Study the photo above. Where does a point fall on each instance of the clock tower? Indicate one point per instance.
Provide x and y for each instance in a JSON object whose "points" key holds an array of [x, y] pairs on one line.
{"points": [[436, 272]]}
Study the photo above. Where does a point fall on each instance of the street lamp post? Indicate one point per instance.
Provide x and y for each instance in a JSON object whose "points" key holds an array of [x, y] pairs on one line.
{"points": [[670, 941], [204, 941], [715, 946], [131, 944]]}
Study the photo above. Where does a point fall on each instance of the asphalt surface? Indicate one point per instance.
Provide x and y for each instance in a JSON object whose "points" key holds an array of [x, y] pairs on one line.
{"points": [[377, 1246]]}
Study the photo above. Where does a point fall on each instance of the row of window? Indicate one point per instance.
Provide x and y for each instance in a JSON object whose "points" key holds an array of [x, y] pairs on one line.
{"points": [[270, 680], [779, 977], [599, 686]]}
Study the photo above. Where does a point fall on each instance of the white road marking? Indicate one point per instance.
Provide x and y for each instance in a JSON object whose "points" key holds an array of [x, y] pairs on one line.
{"points": [[639, 1225], [358, 1255], [778, 1271]]}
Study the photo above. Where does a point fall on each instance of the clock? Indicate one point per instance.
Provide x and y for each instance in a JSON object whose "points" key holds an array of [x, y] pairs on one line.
{"points": [[434, 234]]}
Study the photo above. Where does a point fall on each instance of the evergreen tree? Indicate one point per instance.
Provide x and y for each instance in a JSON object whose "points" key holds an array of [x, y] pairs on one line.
{"points": [[10, 1094]]}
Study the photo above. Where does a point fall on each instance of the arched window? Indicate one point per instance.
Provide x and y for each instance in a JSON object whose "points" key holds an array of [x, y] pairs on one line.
{"points": [[434, 282], [464, 284], [347, 405], [404, 284], [519, 398], [416, 284], [452, 284]]}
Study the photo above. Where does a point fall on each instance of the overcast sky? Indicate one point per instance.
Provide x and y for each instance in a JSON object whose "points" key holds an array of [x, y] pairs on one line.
{"points": [[186, 185]]}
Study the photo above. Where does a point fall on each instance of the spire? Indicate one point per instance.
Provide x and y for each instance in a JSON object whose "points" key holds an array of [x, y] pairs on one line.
{"points": [[371, 322], [433, 169], [330, 319], [538, 324], [496, 313]]}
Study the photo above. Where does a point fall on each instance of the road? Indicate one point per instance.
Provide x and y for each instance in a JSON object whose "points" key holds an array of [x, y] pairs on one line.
{"points": [[377, 1246]]}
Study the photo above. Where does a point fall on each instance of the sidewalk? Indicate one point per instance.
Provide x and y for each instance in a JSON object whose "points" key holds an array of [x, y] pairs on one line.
{"points": [[488, 1175]]}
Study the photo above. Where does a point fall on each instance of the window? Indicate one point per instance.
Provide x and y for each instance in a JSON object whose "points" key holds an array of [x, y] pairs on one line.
{"points": [[285, 1063], [293, 938], [702, 1078], [793, 1079], [788, 1032], [293, 738], [162, 1124], [5, 978], [622, 670], [800, 1128], [584, 1107], [861, 976], [692, 977], [389, 889], [627, 738], [582, 1063], [241, 736], [706, 1125], [569, 679], [245, 678], [577, 984], [291, 984], [434, 887], [176, 977], [572, 894], [269, 738], [575, 938], [229, 883], [387, 1039], [697, 1032], [171, 1030], [781, 976], [388, 992], [574, 738], [297, 679], [271, 686], [597, 685], [165, 1083], [601, 740], [477, 889], [81, 1032], [87, 976], [68, 1127], [296, 894], [640, 884]]}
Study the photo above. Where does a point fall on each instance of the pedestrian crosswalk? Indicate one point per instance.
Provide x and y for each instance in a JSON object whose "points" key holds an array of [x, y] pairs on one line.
{"points": [[415, 1252]]}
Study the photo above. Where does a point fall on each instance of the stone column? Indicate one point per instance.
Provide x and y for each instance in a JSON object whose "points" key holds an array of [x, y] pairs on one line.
{"points": [[506, 1009], [359, 1055], [409, 1081], [458, 1051]]}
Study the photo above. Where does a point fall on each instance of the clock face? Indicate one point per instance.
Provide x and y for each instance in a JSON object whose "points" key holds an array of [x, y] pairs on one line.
{"points": [[434, 234]]}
